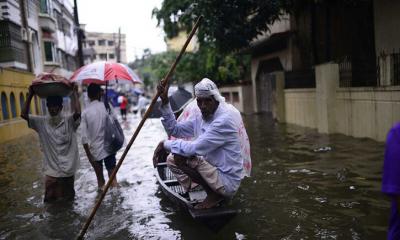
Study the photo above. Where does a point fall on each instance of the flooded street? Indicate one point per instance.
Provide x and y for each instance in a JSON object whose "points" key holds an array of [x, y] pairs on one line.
{"points": [[304, 185]]}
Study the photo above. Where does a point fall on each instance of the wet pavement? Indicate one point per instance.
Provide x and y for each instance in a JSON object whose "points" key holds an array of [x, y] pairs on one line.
{"points": [[304, 185]]}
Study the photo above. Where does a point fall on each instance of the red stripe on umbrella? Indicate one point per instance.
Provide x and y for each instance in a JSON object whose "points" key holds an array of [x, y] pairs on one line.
{"points": [[101, 72]]}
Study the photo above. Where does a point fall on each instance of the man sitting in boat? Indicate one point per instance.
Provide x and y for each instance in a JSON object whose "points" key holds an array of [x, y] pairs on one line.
{"points": [[213, 158]]}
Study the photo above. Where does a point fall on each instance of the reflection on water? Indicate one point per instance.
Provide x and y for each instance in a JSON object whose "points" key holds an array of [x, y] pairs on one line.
{"points": [[295, 192]]}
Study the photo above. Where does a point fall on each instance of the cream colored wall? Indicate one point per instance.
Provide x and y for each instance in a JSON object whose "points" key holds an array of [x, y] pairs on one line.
{"points": [[13, 129], [359, 112], [367, 112], [244, 93], [300, 107]]}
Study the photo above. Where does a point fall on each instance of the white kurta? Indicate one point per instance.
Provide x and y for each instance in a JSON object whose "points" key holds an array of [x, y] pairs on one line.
{"points": [[59, 144], [217, 141]]}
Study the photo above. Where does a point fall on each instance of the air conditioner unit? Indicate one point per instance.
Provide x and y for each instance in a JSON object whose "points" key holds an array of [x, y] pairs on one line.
{"points": [[24, 34]]}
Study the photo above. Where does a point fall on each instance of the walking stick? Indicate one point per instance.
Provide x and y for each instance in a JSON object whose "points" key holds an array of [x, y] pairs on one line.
{"points": [[164, 82]]}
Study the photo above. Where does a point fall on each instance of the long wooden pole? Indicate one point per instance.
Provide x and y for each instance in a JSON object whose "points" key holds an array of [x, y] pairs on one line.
{"points": [[164, 82]]}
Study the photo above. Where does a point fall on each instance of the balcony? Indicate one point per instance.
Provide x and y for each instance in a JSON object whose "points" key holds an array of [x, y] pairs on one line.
{"points": [[47, 23]]}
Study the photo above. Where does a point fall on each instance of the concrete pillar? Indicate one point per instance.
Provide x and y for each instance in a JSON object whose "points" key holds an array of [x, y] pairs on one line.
{"points": [[254, 68], [279, 95], [327, 82]]}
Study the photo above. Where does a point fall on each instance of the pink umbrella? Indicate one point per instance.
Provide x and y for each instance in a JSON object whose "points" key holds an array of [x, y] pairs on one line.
{"points": [[102, 72]]}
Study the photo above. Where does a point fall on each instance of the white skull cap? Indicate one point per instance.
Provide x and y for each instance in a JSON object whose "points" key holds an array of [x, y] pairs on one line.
{"points": [[207, 88]]}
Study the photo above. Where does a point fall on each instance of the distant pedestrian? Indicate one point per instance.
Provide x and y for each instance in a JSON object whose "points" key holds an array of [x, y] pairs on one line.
{"points": [[92, 131], [57, 135], [142, 103], [123, 102], [391, 180]]}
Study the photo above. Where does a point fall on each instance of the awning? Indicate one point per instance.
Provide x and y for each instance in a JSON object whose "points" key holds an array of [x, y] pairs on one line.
{"points": [[274, 43]]}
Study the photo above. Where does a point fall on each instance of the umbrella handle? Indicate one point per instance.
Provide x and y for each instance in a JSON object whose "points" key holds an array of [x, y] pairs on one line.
{"points": [[139, 127]]}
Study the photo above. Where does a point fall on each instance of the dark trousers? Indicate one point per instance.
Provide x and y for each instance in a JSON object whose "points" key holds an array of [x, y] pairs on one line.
{"points": [[59, 188]]}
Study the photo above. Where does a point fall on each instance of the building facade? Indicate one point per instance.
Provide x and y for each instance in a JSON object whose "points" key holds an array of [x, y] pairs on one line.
{"points": [[104, 47], [333, 66], [59, 40], [35, 36]]}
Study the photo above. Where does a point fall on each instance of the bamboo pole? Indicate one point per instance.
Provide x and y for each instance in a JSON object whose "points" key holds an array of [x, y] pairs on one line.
{"points": [[164, 82]]}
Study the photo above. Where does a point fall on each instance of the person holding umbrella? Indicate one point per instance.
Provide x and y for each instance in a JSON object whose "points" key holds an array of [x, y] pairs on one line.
{"points": [[95, 114], [92, 131], [57, 135]]}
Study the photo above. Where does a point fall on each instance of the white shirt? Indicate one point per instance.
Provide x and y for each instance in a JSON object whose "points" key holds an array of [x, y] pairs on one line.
{"points": [[59, 145], [92, 129], [217, 140], [142, 102]]}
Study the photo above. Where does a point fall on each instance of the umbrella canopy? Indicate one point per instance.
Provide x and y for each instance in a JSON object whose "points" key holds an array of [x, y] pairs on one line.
{"points": [[178, 100], [101, 72]]}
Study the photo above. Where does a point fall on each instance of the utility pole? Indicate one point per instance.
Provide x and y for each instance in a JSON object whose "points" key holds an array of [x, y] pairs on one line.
{"points": [[119, 46], [79, 35]]}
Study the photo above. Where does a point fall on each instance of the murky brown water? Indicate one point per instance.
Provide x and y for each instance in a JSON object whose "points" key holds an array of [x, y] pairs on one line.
{"points": [[294, 193]]}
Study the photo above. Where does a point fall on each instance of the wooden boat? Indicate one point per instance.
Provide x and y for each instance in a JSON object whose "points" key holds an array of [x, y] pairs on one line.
{"points": [[215, 218]]}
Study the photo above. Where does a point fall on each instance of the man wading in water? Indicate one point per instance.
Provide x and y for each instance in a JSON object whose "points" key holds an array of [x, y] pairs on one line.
{"points": [[213, 159], [57, 134]]}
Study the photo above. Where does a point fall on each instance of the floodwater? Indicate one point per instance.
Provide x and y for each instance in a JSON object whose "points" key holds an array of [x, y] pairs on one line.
{"points": [[304, 185]]}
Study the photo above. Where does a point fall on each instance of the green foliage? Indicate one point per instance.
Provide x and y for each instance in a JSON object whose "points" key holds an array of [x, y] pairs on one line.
{"points": [[223, 69], [228, 24], [153, 67]]}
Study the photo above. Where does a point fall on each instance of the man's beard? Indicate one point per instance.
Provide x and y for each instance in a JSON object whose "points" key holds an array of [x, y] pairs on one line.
{"points": [[207, 117]]}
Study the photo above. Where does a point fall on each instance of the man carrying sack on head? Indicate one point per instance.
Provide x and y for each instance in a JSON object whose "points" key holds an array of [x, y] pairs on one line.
{"points": [[57, 134]]}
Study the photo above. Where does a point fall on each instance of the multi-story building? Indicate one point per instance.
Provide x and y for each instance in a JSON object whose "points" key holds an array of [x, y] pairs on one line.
{"points": [[104, 47], [19, 28], [59, 40], [35, 36]]}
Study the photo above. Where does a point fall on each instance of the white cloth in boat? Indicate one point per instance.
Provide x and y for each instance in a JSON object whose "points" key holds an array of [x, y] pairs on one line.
{"points": [[216, 140]]}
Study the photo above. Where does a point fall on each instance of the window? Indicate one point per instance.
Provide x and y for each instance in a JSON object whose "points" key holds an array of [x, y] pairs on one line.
{"points": [[110, 43], [91, 42], [111, 56], [103, 56], [49, 51], [13, 106], [235, 97], [226, 96], [66, 28], [44, 6], [4, 106], [102, 42], [59, 19], [21, 101]]}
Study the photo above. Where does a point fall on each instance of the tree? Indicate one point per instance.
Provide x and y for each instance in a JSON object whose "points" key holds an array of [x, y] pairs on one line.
{"points": [[223, 69], [153, 67], [228, 24]]}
